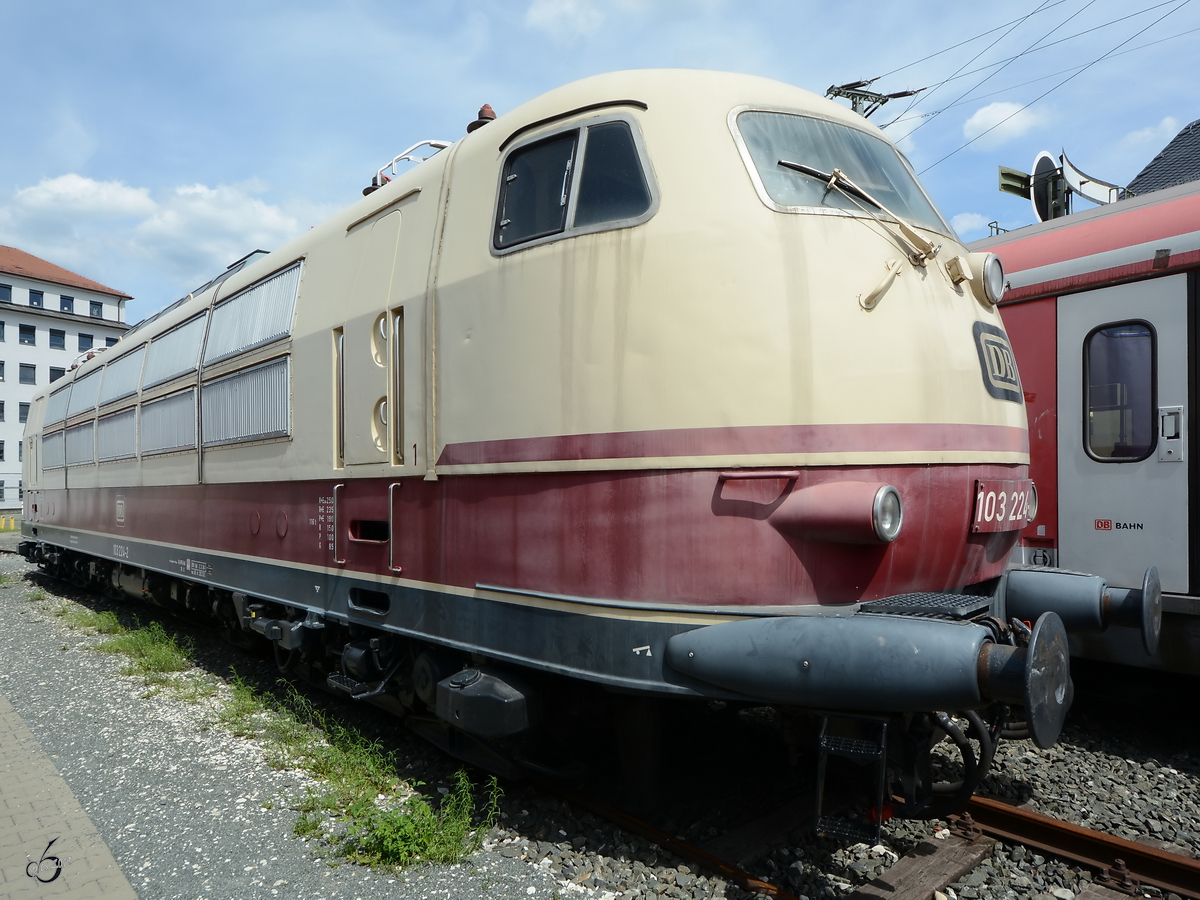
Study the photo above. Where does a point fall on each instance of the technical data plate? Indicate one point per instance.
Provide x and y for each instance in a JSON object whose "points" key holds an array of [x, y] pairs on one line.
{"points": [[956, 606]]}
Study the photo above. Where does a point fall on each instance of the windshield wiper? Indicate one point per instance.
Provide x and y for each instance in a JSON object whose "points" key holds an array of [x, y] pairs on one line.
{"points": [[923, 249]]}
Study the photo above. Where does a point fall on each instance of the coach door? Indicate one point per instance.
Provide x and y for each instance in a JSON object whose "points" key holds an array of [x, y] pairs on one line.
{"points": [[1122, 432]]}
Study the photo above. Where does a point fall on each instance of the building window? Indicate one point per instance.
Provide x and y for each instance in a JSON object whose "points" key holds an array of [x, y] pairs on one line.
{"points": [[108, 342], [20, 451], [35, 298], [85, 342], [97, 309], [20, 490], [1, 331], [1, 451], [5, 293], [1, 410], [56, 373], [28, 373], [23, 412], [1, 370], [66, 304], [1, 490], [28, 335], [58, 339]]}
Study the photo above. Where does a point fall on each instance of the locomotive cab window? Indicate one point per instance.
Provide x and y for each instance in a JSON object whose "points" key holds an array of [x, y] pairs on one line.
{"points": [[766, 138], [588, 179], [1119, 403]]}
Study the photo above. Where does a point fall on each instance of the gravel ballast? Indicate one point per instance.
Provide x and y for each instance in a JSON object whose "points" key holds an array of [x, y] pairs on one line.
{"points": [[191, 811]]}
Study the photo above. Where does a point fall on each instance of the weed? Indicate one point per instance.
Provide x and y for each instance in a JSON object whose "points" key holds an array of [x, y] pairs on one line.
{"points": [[416, 833], [86, 620], [152, 652], [37, 595]]}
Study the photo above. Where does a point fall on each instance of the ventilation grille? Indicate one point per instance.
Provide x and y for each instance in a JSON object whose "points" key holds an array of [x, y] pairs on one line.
{"points": [[248, 405], [174, 353], [83, 393], [121, 376], [81, 445], [170, 423], [258, 315], [56, 406], [116, 436], [52, 451]]}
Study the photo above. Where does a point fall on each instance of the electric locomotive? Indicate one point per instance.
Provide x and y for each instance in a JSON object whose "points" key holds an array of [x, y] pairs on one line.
{"points": [[674, 383]]}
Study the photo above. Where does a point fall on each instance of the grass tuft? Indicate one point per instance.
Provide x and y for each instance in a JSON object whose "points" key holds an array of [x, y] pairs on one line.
{"points": [[89, 621], [416, 833], [152, 652]]}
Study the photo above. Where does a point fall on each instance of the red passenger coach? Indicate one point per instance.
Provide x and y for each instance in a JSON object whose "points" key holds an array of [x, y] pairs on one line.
{"points": [[1101, 312]]}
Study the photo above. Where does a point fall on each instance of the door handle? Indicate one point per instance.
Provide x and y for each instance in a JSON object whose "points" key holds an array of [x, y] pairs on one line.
{"points": [[1170, 433]]}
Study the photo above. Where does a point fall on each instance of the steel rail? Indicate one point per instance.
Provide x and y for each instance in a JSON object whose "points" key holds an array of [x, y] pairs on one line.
{"points": [[1122, 863]]}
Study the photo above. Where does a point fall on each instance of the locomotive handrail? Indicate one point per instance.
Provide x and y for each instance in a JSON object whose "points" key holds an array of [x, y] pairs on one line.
{"points": [[751, 474], [392, 528], [336, 496]]}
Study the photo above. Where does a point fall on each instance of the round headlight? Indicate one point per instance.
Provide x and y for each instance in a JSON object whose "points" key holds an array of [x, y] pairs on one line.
{"points": [[993, 279], [1031, 512], [887, 514]]}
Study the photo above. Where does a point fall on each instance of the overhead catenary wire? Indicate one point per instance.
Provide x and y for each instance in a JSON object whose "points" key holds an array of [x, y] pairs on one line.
{"points": [[1036, 49], [1013, 87], [995, 72], [1057, 86], [925, 93], [1042, 8]]}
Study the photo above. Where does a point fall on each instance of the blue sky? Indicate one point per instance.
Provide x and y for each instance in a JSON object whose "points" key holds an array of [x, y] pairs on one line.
{"points": [[148, 144]]}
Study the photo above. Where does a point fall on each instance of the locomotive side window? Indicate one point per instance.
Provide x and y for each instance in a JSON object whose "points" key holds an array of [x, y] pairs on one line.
{"points": [[611, 183], [81, 445], [587, 179], [765, 138], [537, 185], [52, 451], [56, 407], [1118, 362]]}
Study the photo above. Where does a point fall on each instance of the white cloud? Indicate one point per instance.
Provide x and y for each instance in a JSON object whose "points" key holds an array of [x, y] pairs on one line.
{"points": [[967, 224], [564, 20], [1156, 136], [73, 195], [998, 123], [118, 234]]}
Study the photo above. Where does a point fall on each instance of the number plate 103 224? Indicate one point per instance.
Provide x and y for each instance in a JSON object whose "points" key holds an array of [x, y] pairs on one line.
{"points": [[1003, 505]]}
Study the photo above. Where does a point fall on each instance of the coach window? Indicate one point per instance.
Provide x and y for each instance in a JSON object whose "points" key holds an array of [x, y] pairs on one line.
{"points": [[1118, 369], [546, 192]]}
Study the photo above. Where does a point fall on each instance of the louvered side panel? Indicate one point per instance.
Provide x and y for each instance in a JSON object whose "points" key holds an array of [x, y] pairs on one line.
{"points": [[83, 394], [81, 445], [52, 451], [170, 423], [174, 353], [56, 406], [248, 405], [121, 376], [258, 315], [116, 436]]}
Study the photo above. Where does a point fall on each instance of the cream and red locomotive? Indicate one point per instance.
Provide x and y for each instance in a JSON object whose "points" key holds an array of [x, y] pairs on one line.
{"points": [[670, 382]]}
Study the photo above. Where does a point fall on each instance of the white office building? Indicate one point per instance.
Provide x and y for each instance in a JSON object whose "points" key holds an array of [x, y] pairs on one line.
{"points": [[50, 318]]}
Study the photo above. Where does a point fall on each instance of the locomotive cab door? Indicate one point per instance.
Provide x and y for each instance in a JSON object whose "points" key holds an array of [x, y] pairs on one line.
{"points": [[1123, 411]]}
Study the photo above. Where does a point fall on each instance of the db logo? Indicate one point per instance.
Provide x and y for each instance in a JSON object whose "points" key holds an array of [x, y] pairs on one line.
{"points": [[1104, 524]]}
